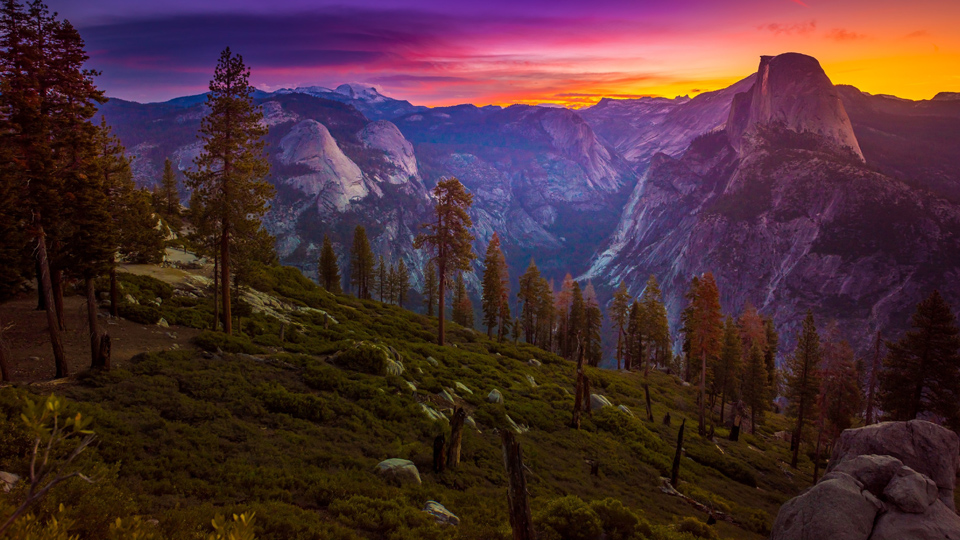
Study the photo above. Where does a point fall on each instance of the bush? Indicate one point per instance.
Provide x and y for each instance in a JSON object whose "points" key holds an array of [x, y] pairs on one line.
{"points": [[140, 314], [733, 470], [277, 399], [145, 288], [618, 522], [212, 341], [365, 358], [696, 528], [568, 518]]}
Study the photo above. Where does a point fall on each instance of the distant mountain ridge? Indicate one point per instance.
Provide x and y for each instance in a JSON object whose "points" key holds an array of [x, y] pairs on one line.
{"points": [[763, 183]]}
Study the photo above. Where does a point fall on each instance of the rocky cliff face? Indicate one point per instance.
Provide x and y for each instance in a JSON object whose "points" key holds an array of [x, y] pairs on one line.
{"points": [[887, 481], [790, 220]]}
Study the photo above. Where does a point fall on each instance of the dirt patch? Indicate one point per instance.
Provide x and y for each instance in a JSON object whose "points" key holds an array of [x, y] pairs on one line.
{"points": [[28, 342]]}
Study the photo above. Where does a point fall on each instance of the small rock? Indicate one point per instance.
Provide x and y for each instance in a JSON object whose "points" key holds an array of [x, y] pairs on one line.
{"points": [[441, 514], [411, 386], [432, 413], [130, 299], [446, 396], [172, 335], [495, 396], [158, 300], [472, 423], [626, 410], [394, 368], [400, 470], [532, 382], [598, 402], [462, 387], [684, 383], [8, 481], [433, 361], [162, 323], [534, 362], [519, 429]]}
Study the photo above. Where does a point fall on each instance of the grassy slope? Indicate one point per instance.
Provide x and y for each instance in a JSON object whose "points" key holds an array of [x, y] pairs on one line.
{"points": [[288, 434]]}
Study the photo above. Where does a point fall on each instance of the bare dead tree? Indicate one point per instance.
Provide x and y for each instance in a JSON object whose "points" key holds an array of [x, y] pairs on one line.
{"points": [[521, 520]]}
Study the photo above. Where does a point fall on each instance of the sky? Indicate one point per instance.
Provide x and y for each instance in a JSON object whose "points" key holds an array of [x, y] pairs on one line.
{"points": [[569, 52]]}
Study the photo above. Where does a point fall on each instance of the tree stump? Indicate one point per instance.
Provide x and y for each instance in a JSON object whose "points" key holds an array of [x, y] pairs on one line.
{"points": [[439, 457], [456, 437], [675, 472], [517, 497]]}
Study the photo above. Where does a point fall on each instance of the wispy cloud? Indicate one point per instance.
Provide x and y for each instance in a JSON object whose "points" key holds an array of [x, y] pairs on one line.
{"points": [[801, 28], [917, 34], [842, 34]]}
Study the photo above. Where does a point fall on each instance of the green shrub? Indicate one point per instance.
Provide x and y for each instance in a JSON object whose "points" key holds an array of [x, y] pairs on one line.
{"points": [[733, 470], [568, 518], [140, 314], [696, 528], [145, 288], [618, 522], [365, 358], [378, 515], [212, 341], [277, 399]]}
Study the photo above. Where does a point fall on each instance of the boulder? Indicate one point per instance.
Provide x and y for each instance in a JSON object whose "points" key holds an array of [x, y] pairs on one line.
{"points": [[923, 446], [432, 413], [836, 509], [534, 362], [873, 471], [495, 396], [441, 514], [162, 323], [412, 387], [911, 491], [517, 428], [432, 361], [937, 523], [446, 396], [626, 410], [462, 387], [598, 402], [472, 423], [8, 481], [394, 368], [532, 382], [130, 299], [399, 470]]}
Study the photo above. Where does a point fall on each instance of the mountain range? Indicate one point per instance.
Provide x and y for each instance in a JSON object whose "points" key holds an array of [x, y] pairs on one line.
{"points": [[797, 194]]}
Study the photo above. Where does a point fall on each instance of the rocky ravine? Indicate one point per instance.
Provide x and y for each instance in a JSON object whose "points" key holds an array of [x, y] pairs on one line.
{"points": [[780, 207], [889, 481]]}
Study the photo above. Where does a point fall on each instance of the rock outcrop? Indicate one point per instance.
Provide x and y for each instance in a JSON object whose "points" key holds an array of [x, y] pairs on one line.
{"points": [[398, 470], [334, 178], [872, 492]]}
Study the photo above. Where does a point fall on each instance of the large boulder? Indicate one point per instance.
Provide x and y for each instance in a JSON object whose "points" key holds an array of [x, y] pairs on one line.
{"points": [[836, 508], [401, 471], [885, 482], [495, 396], [598, 402], [8, 481], [923, 446], [441, 514]]}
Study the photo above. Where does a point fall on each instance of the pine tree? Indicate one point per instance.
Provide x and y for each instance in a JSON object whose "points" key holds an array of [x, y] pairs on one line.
{"points": [[528, 297], [382, 279], [545, 314], [362, 269], [448, 237], [620, 316], [167, 200], [392, 284], [756, 391], [726, 371], [430, 289], [329, 270], [634, 346], [920, 373], [592, 326], [840, 397], [770, 357], [506, 320], [562, 305], [803, 383], [462, 306], [403, 282], [656, 326], [495, 279], [704, 327], [576, 320], [230, 170]]}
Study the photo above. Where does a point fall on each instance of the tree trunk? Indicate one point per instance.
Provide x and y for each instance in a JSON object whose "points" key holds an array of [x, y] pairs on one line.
{"points": [[442, 289], [723, 403], [753, 420], [578, 393], [439, 457], [586, 395], [216, 292], [114, 290], [57, 287], [456, 437], [93, 325], [619, 348], [702, 428], [816, 459], [47, 291], [225, 278], [517, 498], [675, 471], [795, 441], [646, 390], [105, 351], [41, 304]]}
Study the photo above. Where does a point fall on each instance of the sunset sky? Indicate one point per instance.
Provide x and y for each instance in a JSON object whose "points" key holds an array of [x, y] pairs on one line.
{"points": [[572, 52]]}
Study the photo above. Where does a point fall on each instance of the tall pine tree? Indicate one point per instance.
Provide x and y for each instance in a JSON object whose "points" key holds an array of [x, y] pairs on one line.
{"points": [[430, 289], [592, 326], [620, 317], [328, 270], [362, 264], [495, 280], [231, 168], [448, 237], [803, 383], [920, 373]]}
